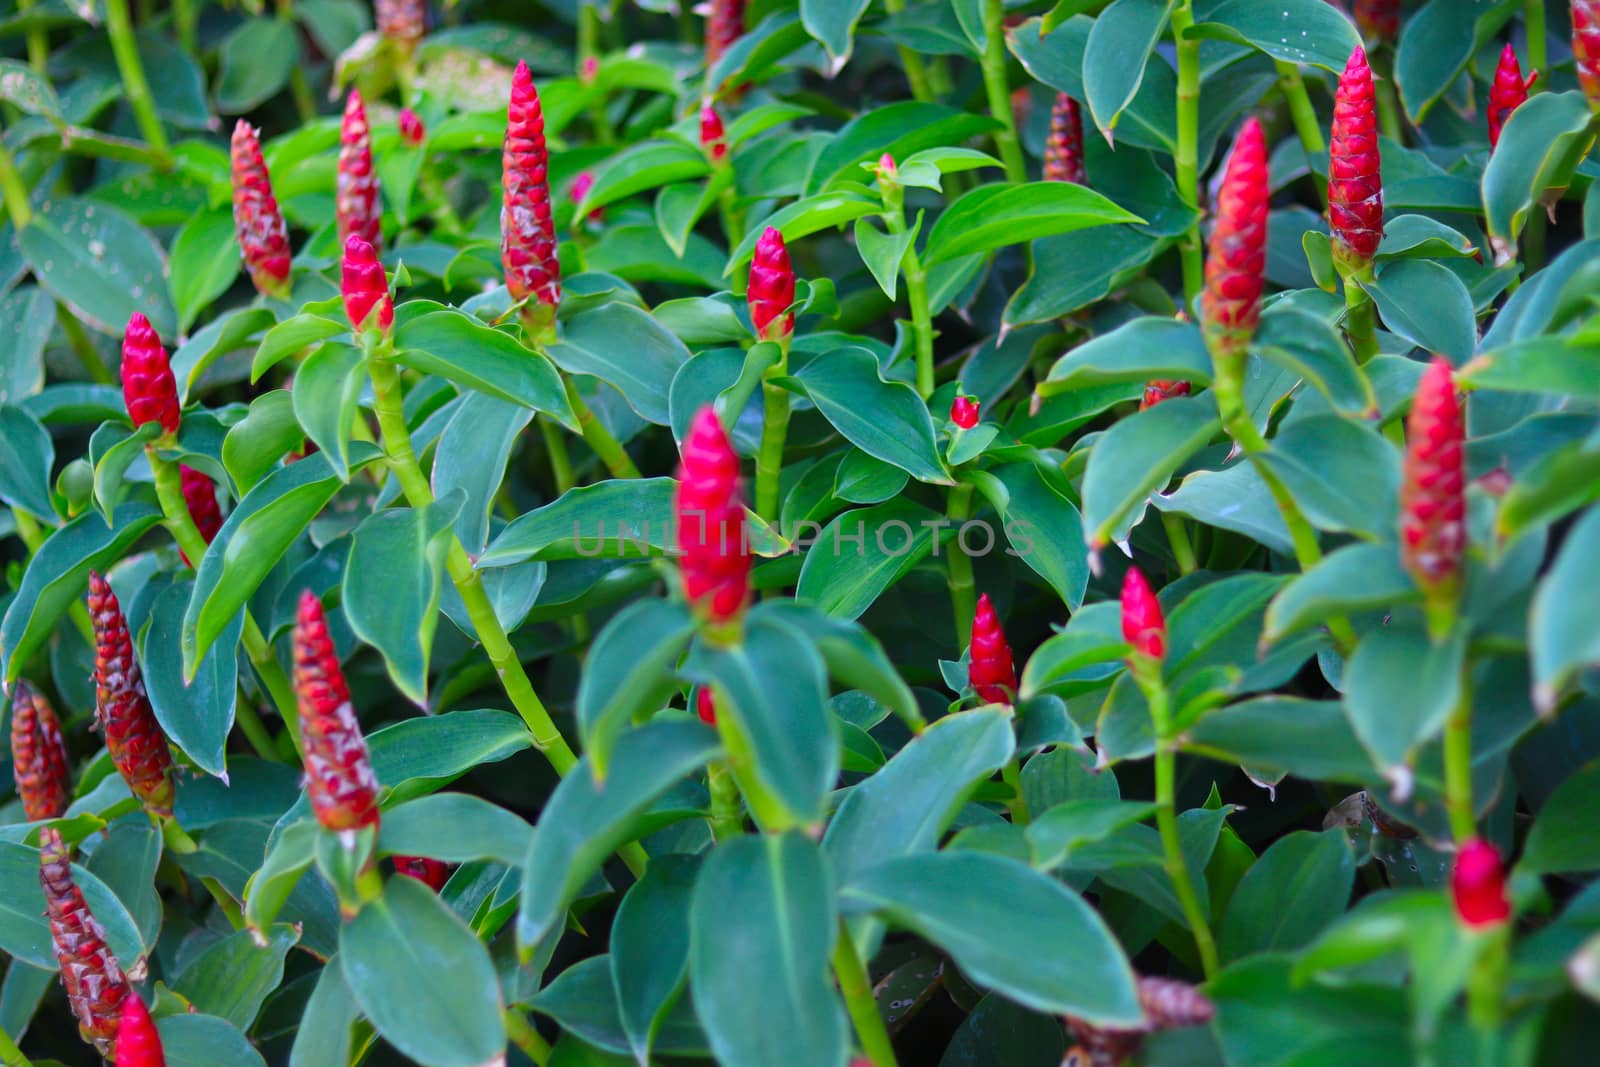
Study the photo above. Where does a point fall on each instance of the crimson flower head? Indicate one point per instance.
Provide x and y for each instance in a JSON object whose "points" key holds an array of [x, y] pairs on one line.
{"points": [[402, 21], [356, 197], [367, 302], [431, 873], [1433, 529], [1478, 885], [991, 671], [1158, 390], [1378, 20], [1508, 92], [1237, 256], [122, 709], [89, 972], [964, 411], [138, 1043], [1586, 48], [1143, 625], [148, 387], [771, 291], [339, 779], [705, 706], [200, 494], [1063, 149], [257, 220], [724, 26], [412, 131], [527, 229], [38, 755], [591, 70], [713, 137], [1355, 176], [714, 558]]}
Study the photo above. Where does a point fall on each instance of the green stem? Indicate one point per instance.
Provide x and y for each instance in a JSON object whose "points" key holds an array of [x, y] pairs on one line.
{"points": [[588, 35], [856, 986], [33, 536], [526, 1038], [963, 598], [255, 731], [911, 60], [81, 343], [15, 192], [916, 292], [774, 431], [1306, 125], [1361, 319], [1388, 109], [1178, 537], [38, 41], [1533, 17], [10, 1054], [556, 446], [183, 14], [1486, 989], [126, 49], [998, 89], [1167, 821], [1186, 159], [1458, 764], [600, 439], [727, 810], [732, 217], [1011, 774]]}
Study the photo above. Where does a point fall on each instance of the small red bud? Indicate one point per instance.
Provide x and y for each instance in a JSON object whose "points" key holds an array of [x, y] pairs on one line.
{"points": [[412, 131], [1157, 391], [257, 220], [990, 670], [527, 228], [1063, 148], [148, 387], [90, 974], [724, 26], [1478, 884], [367, 302], [138, 1042], [1355, 176], [1433, 530], [771, 291], [1143, 625], [591, 70], [200, 495], [1507, 93], [133, 736], [705, 706], [1237, 254], [714, 557], [713, 137], [339, 778], [431, 873], [39, 761], [356, 197], [964, 412]]}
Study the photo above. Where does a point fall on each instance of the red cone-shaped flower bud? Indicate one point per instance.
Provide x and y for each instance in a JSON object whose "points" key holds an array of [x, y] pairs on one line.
{"points": [[402, 21], [356, 200], [1478, 884], [431, 873], [771, 291], [1157, 391], [713, 137], [1378, 20], [1586, 47], [705, 706], [991, 672], [724, 25], [38, 755], [200, 494], [714, 559], [412, 131], [1143, 625], [263, 237], [133, 736], [1355, 179], [89, 972], [1237, 256], [138, 1043], [1063, 149], [1433, 531], [339, 778], [367, 302], [527, 230], [148, 387], [1507, 93], [590, 71], [964, 412]]}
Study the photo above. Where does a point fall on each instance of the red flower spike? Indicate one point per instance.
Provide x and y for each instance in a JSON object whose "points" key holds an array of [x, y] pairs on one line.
{"points": [[402, 21], [991, 671], [964, 412], [263, 237], [1157, 391], [1143, 625], [122, 709], [89, 972], [356, 199], [1355, 178], [412, 131], [367, 302], [38, 755], [138, 1043], [705, 706], [713, 137], [1237, 254], [1433, 530], [1507, 93], [771, 291], [431, 873], [1063, 149], [724, 26], [1378, 20], [1586, 48], [200, 494], [1478, 885], [339, 778], [148, 387], [527, 230], [714, 557]]}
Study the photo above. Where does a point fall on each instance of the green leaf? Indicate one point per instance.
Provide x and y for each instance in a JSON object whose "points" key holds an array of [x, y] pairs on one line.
{"points": [[1399, 690], [1343, 474], [885, 543], [901, 129], [853, 655], [58, 574], [1541, 144], [454, 828], [24, 933], [286, 861], [1043, 528], [32, 315], [762, 927], [417, 756], [471, 455], [1554, 366], [27, 90], [1563, 627], [1309, 346], [100, 263], [290, 336], [993, 216], [887, 420], [1298, 886], [583, 823], [625, 347], [643, 167], [233, 977], [223, 335], [1562, 838], [1142, 349], [112, 450], [1136, 457], [203, 1040], [1114, 58], [1055, 833], [628, 673], [833, 24], [256, 61], [1434, 49], [391, 586], [1420, 236], [422, 977], [1071, 271], [884, 252], [1234, 498], [462, 350], [1355, 578], [205, 261], [1010, 928], [1276, 736], [650, 947], [1057, 59], [583, 1000], [27, 456], [323, 1031], [803, 218], [197, 717], [1304, 32], [1427, 304], [255, 443]]}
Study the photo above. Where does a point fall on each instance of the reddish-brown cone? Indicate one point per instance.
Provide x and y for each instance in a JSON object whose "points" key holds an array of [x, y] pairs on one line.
{"points": [[148, 387], [1433, 530], [1063, 149], [1378, 20], [339, 779], [1507, 93], [1478, 885], [714, 557], [1143, 625], [1160, 389], [365, 288], [527, 229], [724, 25], [771, 291], [1237, 255], [38, 755], [705, 706], [990, 671], [89, 972], [356, 198], [713, 135], [402, 21], [133, 736], [257, 220], [412, 131], [431, 873], [200, 494], [138, 1043], [1355, 177], [1586, 48], [964, 411]]}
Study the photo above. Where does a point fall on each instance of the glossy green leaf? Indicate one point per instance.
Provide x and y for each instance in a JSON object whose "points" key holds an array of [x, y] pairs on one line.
{"points": [[1561, 838], [629, 673], [326, 399], [1304, 32], [233, 977], [293, 335], [883, 419], [203, 1040], [804, 218], [1275, 736], [256, 59], [454, 828], [24, 933], [1361, 577], [1433, 49], [1298, 886], [197, 717], [1343, 474], [1563, 637], [901, 129], [1136, 457], [1042, 527], [650, 947], [205, 261], [624, 347], [853, 655], [267, 433], [324, 1029], [100, 263], [472, 455], [26, 457], [1540, 145], [462, 350], [1428, 305], [884, 252], [33, 316], [646, 166], [862, 553], [1399, 690], [1143, 349], [992, 216], [1114, 58], [833, 24]]}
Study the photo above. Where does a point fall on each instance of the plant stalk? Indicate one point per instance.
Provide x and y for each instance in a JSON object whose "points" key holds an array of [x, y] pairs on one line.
{"points": [[126, 49], [963, 590], [911, 60], [1361, 317], [526, 1038], [1306, 125], [556, 446], [588, 41], [774, 432], [183, 15], [916, 292], [1167, 818], [998, 90], [81, 343], [15, 192], [1186, 159], [599, 439], [856, 986], [727, 810], [38, 41], [1178, 538], [1011, 774], [1458, 764], [1533, 20]]}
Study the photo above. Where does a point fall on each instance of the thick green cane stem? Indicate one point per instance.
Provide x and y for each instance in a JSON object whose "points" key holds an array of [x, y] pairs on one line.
{"points": [[963, 590], [1186, 159], [588, 38], [998, 90], [727, 810], [856, 986], [1306, 125], [14, 190], [916, 291], [38, 42], [1178, 538], [1388, 110], [774, 432], [526, 1038], [1458, 765], [1011, 775], [126, 49], [1361, 316], [1533, 20], [911, 60], [556, 446], [599, 439], [183, 15], [255, 731]]}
